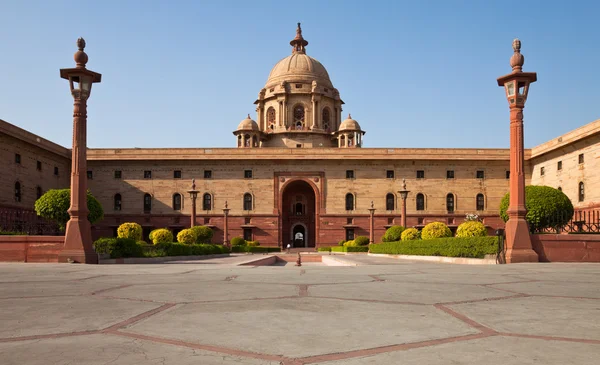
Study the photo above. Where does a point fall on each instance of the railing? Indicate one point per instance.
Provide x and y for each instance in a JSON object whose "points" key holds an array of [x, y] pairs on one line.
{"points": [[581, 222], [27, 222]]}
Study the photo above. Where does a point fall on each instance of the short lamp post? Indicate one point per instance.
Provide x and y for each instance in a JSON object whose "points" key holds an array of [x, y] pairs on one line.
{"points": [[516, 85], [403, 195], [78, 234], [194, 195]]}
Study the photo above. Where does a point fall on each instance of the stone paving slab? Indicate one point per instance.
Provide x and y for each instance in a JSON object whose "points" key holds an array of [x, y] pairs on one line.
{"points": [[558, 288], [301, 327], [451, 277], [51, 288]]}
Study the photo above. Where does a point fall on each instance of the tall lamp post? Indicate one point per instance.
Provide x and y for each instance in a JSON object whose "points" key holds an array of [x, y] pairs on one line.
{"points": [[403, 195], [78, 234], [371, 223], [225, 228], [516, 86], [194, 195]]}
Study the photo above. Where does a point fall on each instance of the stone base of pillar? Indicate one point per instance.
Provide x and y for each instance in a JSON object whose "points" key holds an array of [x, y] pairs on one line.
{"points": [[78, 256], [518, 242], [78, 243]]}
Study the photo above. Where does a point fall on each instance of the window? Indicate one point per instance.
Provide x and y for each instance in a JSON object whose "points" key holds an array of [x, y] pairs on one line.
{"points": [[450, 203], [39, 165], [349, 174], [389, 174], [248, 234], [247, 174], [349, 220], [176, 201], [480, 174], [389, 201], [56, 170], [507, 175], [271, 117], [118, 174], [420, 174], [18, 192], [298, 86], [581, 191], [349, 201], [559, 165], [581, 158], [349, 234], [298, 146], [177, 174], [208, 174], [206, 202], [147, 174], [299, 116], [39, 192], [90, 175], [147, 203], [17, 158], [420, 201], [206, 220], [247, 220], [247, 201], [480, 202], [326, 119], [299, 209], [542, 171], [450, 174], [117, 202]]}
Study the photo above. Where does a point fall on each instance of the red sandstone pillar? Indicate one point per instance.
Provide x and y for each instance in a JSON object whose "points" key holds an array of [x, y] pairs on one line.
{"points": [[193, 194], [403, 195], [225, 228], [516, 84], [371, 224]]}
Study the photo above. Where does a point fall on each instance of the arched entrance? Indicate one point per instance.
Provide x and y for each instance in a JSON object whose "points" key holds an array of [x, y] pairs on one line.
{"points": [[298, 213]]}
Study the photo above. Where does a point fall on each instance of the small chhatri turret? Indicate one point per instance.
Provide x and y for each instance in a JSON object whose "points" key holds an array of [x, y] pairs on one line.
{"points": [[298, 43]]}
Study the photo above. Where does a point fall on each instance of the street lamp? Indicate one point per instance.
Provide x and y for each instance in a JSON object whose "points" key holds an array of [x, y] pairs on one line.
{"points": [[516, 86], [193, 194], [403, 195], [78, 234], [372, 223]]}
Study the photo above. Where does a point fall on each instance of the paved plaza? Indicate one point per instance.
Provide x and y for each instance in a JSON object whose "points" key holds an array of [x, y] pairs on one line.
{"points": [[375, 311]]}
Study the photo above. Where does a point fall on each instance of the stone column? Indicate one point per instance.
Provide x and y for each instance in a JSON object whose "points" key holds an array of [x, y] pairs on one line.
{"points": [[371, 224], [403, 219], [225, 228]]}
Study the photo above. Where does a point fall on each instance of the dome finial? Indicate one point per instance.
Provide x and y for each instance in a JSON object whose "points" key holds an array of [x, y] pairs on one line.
{"points": [[517, 59], [298, 43], [249, 116], [349, 116]]}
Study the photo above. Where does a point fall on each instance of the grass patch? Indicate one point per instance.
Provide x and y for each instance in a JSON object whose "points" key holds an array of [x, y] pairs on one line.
{"points": [[474, 247]]}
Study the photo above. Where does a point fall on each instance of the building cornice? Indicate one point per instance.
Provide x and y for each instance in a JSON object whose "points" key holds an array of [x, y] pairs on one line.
{"points": [[566, 139], [35, 140]]}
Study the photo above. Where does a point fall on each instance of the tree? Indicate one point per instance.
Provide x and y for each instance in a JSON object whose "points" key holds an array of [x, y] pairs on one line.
{"points": [[546, 207], [55, 203]]}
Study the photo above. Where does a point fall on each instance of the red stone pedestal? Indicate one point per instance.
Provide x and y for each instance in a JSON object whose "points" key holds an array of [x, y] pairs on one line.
{"points": [[78, 244], [518, 240]]}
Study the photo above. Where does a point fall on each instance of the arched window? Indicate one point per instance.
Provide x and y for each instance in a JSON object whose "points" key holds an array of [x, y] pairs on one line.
{"points": [[389, 201], [342, 141], [480, 202], [239, 141], [247, 201], [39, 192], [206, 202], [349, 201], [299, 209], [271, 117], [299, 116], [581, 191], [176, 201], [117, 202], [247, 138], [17, 191], [147, 202], [326, 118], [350, 140], [450, 203], [420, 201]]}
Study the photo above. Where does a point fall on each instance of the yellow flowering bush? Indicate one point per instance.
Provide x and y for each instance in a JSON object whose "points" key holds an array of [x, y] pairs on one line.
{"points": [[471, 229], [187, 236], [130, 230], [435, 230]]}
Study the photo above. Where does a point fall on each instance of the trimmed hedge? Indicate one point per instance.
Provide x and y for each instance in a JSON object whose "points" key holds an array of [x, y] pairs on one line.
{"points": [[187, 236], [324, 249], [361, 240], [471, 229], [254, 249], [119, 247], [182, 249], [238, 241], [252, 243], [474, 247], [392, 234], [410, 234], [435, 230], [350, 249], [203, 234], [130, 230]]}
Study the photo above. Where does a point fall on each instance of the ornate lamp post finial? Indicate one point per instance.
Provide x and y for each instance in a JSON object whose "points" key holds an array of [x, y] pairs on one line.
{"points": [[517, 59]]}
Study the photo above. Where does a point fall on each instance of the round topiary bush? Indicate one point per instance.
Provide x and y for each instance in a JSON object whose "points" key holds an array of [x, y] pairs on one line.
{"points": [[54, 204], [186, 236], [341, 243], [435, 230], [471, 229], [130, 230], [161, 235], [253, 243], [203, 234], [361, 240], [546, 207], [393, 234], [410, 234], [238, 241], [351, 243]]}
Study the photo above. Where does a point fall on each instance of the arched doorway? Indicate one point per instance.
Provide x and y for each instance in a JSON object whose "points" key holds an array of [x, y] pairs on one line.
{"points": [[298, 213]]}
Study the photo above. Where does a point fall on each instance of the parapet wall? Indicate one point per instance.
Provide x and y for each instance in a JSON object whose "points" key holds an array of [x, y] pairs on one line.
{"points": [[30, 248]]}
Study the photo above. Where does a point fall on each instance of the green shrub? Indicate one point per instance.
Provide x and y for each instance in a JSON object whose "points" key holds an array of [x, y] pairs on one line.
{"points": [[361, 240], [130, 230], [53, 205], [475, 247], [546, 207], [350, 249], [471, 229], [12, 233], [435, 230], [350, 243], [203, 234], [410, 234], [341, 243], [186, 236], [254, 249], [392, 234], [253, 243], [161, 235], [324, 249], [119, 247], [238, 241]]}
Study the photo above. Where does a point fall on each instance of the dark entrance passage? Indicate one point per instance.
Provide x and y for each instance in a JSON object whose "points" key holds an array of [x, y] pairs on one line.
{"points": [[298, 215]]}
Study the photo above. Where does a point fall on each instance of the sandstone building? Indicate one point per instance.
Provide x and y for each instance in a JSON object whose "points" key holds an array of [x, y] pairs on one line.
{"points": [[298, 174]]}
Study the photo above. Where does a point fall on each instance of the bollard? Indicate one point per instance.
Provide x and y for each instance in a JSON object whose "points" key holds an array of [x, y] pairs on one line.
{"points": [[299, 261]]}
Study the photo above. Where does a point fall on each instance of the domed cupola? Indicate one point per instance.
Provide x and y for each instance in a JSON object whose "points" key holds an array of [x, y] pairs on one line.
{"points": [[248, 134], [349, 134]]}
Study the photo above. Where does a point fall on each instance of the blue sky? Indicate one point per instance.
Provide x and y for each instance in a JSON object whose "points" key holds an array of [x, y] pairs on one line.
{"points": [[413, 73]]}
